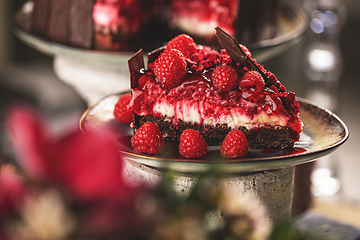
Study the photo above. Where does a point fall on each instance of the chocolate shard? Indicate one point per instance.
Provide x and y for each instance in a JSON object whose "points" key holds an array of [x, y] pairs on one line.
{"points": [[40, 17], [237, 54], [153, 55], [136, 63], [57, 29], [81, 26]]}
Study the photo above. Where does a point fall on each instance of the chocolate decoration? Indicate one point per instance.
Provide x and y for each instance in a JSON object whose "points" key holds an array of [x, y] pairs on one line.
{"points": [[153, 55], [40, 17], [237, 54], [81, 26], [57, 28], [136, 63]]}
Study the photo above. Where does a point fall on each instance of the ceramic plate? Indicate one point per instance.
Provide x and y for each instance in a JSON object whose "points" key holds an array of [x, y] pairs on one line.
{"points": [[322, 134], [292, 24]]}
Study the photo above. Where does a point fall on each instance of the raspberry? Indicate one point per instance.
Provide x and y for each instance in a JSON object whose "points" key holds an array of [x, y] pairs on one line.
{"points": [[184, 43], [224, 78], [192, 144], [234, 145], [148, 139], [170, 68], [252, 80], [122, 112]]}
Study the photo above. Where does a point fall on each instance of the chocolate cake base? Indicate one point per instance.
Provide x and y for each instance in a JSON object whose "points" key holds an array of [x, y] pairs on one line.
{"points": [[262, 137]]}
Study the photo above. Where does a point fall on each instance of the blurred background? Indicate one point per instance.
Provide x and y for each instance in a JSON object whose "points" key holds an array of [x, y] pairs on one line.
{"points": [[323, 67]]}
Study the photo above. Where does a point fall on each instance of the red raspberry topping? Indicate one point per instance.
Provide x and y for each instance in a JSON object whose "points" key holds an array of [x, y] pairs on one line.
{"points": [[148, 77], [192, 144], [234, 145], [225, 57], [170, 68], [224, 78], [148, 139], [122, 112], [246, 50], [184, 43], [272, 102], [289, 101], [249, 95], [252, 80], [204, 58]]}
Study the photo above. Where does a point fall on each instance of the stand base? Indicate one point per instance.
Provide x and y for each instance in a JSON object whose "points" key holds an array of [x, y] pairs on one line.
{"points": [[274, 188]]}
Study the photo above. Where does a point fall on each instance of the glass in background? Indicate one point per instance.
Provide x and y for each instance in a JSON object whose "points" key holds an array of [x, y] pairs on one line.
{"points": [[323, 68]]}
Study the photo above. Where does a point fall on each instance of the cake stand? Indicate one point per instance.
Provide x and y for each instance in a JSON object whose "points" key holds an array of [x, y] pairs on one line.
{"points": [[267, 174], [95, 74]]}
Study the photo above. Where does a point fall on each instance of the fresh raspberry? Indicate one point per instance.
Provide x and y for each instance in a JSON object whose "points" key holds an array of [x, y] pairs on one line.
{"points": [[148, 139], [224, 78], [122, 112], [170, 68], [192, 144], [234, 145], [184, 43], [252, 80]]}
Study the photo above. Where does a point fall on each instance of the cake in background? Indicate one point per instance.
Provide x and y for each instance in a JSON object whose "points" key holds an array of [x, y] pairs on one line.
{"points": [[68, 22], [125, 25], [119, 21], [248, 20], [199, 17]]}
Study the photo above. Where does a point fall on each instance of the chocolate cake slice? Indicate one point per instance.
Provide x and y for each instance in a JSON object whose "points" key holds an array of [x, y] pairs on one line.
{"points": [[192, 86]]}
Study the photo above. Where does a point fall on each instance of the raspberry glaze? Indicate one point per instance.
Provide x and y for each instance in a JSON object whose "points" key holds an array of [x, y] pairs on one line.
{"points": [[195, 99]]}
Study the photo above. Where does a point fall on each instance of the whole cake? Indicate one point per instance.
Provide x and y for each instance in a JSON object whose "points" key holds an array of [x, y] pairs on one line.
{"points": [[120, 25], [191, 86]]}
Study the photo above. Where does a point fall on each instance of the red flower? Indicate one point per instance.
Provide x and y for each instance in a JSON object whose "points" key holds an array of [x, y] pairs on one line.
{"points": [[87, 165], [32, 141]]}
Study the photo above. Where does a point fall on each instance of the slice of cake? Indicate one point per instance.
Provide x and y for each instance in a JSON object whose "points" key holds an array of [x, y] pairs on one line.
{"points": [[192, 86]]}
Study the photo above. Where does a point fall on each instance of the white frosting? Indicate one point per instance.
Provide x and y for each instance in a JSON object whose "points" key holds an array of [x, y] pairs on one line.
{"points": [[188, 111], [165, 108], [194, 112]]}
